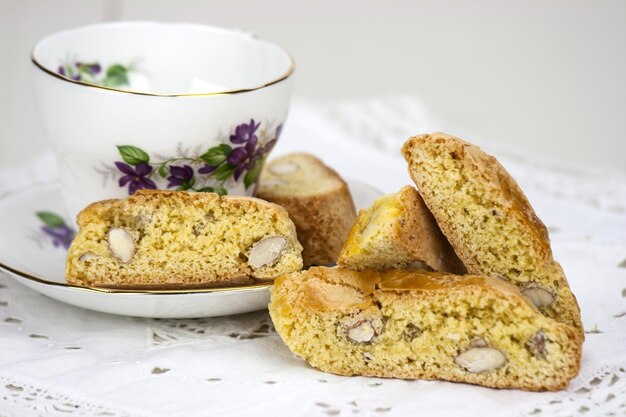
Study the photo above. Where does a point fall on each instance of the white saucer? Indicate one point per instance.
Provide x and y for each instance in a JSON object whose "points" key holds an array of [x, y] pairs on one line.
{"points": [[29, 255]]}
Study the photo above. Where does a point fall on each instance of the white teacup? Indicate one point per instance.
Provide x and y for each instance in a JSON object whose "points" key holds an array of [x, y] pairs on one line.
{"points": [[136, 105]]}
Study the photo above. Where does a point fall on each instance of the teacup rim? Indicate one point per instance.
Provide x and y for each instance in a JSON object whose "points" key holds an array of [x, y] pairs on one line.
{"points": [[287, 74]]}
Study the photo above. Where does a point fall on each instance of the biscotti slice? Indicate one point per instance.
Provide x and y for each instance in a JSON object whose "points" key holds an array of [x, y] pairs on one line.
{"points": [[423, 325], [488, 220], [175, 239], [318, 202], [398, 231]]}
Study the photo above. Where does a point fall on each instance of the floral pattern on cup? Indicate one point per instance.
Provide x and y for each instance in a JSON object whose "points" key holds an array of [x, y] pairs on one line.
{"points": [[56, 229], [241, 159], [115, 75]]}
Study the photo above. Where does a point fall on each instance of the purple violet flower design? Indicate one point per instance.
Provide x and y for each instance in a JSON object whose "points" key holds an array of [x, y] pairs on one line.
{"points": [[114, 75], [207, 169], [241, 159], [55, 228], [182, 177], [244, 157], [136, 178], [92, 69], [61, 235], [245, 132], [61, 70]]}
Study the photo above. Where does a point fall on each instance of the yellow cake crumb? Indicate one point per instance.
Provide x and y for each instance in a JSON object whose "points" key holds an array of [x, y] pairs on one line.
{"points": [[423, 325], [489, 221], [180, 239], [398, 231]]}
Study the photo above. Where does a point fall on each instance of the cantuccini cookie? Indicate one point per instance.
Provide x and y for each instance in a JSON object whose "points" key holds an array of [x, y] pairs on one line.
{"points": [[318, 202], [489, 221], [398, 231], [172, 239], [423, 325]]}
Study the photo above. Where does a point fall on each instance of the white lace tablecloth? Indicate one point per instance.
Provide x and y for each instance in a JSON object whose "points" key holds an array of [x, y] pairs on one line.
{"points": [[59, 360]]}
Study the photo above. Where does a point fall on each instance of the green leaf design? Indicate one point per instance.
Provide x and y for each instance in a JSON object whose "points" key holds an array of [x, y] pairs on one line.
{"points": [[86, 68], [221, 190], [224, 148], [133, 155], [186, 185], [163, 171], [216, 155], [253, 174], [50, 219], [116, 76], [206, 190], [69, 71], [224, 172]]}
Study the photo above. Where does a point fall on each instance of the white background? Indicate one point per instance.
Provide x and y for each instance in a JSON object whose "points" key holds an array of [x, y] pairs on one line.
{"points": [[548, 76]]}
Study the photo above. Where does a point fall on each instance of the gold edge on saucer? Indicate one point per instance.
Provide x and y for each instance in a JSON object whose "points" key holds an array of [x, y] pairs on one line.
{"points": [[135, 291], [287, 74], [41, 280]]}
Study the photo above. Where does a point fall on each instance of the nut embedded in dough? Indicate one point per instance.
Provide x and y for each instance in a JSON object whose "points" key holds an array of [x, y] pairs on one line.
{"points": [[411, 332], [478, 342], [536, 345], [360, 330], [266, 251], [539, 296], [481, 359], [121, 244], [87, 256]]}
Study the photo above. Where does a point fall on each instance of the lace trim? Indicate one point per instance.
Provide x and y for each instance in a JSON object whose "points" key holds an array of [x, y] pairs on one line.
{"points": [[163, 332], [22, 397], [602, 392]]}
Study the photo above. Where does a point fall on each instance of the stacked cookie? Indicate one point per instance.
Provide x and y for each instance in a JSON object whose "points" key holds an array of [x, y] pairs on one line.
{"points": [[398, 231], [489, 221], [513, 323]]}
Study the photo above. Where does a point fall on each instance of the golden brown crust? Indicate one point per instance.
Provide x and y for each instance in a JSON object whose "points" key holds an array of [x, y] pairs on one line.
{"points": [[398, 231], [420, 234], [403, 280], [487, 218], [486, 167], [143, 197], [307, 306], [322, 218]]}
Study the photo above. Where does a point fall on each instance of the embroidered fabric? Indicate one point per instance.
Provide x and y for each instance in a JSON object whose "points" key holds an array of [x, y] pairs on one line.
{"points": [[59, 360]]}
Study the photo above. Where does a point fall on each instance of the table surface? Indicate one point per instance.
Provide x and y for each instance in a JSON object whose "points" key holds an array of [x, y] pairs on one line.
{"points": [[58, 360]]}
